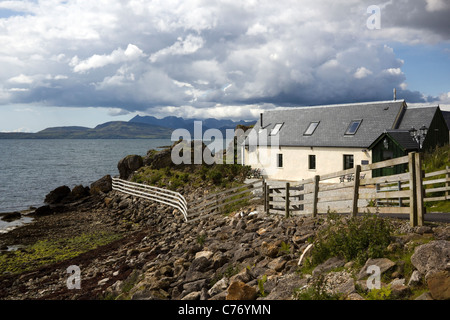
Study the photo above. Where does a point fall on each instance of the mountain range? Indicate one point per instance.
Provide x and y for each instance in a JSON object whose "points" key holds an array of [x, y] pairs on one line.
{"points": [[140, 127]]}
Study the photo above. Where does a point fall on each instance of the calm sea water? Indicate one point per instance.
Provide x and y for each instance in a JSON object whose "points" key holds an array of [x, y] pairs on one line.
{"points": [[30, 169]]}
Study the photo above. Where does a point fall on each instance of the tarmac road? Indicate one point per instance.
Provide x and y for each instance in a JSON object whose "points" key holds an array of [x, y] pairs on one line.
{"points": [[429, 217]]}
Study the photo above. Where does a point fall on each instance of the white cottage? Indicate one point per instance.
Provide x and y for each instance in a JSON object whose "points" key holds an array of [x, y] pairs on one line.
{"points": [[300, 143]]}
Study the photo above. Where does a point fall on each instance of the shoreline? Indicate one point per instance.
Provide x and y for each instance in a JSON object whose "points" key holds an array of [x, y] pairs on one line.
{"points": [[21, 218]]}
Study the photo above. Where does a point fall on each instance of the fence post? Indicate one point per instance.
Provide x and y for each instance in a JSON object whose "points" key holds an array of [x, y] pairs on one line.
{"points": [[264, 194], [419, 189], [356, 191], [287, 200], [267, 198], [316, 195], [412, 190], [448, 183]]}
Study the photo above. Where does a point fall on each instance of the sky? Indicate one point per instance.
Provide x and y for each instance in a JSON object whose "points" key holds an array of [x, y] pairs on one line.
{"points": [[82, 62]]}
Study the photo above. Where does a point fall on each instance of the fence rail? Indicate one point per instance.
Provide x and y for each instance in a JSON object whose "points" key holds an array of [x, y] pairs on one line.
{"points": [[164, 196], [199, 209], [403, 193], [211, 204]]}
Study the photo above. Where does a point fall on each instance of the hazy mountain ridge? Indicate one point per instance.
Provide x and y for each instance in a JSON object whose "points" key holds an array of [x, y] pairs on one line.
{"points": [[146, 127]]}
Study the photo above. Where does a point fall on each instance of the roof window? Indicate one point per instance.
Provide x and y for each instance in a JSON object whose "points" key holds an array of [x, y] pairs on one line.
{"points": [[311, 128], [353, 127], [276, 129]]}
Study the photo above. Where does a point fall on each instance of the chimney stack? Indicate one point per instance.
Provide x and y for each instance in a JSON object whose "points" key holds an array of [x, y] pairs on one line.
{"points": [[395, 94], [261, 119]]}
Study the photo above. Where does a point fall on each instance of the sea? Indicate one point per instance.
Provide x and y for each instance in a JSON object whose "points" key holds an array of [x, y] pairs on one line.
{"points": [[30, 169]]}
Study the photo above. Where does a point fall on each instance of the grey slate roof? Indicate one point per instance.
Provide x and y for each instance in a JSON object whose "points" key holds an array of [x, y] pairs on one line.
{"points": [[446, 115], [402, 137], [334, 120], [417, 117]]}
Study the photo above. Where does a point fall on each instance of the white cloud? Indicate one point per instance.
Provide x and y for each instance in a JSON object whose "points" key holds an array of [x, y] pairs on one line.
{"points": [[436, 5], [182, 47], [21, 79], [98, 61], [256, 29], [393, 71], [362, 73]]}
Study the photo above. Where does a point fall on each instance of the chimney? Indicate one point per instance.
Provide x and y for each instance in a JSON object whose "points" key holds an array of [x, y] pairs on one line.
{"points": [[261, 119], [395, 94]]}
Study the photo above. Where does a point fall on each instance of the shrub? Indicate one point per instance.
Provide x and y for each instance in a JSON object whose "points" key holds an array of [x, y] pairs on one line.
{"points": [[384, 293], [357, 238], [215, 176]]}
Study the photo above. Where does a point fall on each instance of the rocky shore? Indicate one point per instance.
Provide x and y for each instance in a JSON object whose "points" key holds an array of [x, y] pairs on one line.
{"points": [[247, 255]]}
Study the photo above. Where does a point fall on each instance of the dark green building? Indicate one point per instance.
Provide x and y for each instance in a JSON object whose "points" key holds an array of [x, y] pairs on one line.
{"points": [[395, 143]]}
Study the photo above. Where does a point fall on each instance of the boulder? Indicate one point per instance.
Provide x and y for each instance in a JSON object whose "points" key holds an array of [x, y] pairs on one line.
{"points": [[102, 185], [241, 291], [277, 264], [415, 279], [383, 263], [9, 217], [439, 285], [399, 289], [43, 211], [219, 287], [339, 283], [431, 257], [79, 192], [128, 165], [329, 265], [57, 195], [269, 249], [285, 287]]}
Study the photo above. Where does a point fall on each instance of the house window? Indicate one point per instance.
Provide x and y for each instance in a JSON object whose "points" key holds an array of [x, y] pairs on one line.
{"points": [[311, 128], [353, 127], [276, 129], [280, 161], [312, 162], [348, 161]]}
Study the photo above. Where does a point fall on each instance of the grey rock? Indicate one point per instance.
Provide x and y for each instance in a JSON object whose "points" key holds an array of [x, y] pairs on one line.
{"points": [[340, 283], [330, 264], [415, 279], [128, 165], [431, 257], [103, 185], [285, 287], [383, 263]]}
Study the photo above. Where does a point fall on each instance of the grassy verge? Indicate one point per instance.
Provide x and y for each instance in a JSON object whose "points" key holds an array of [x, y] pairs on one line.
{"points": [[436, 160], [46, 252]]}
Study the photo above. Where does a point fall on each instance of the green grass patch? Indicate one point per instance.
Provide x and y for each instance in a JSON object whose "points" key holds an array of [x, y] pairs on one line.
{"points": [[46, 252]]}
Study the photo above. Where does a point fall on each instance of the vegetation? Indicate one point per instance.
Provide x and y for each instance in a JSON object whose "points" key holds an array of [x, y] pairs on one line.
{"points": [[384, 293], [51, 251], [261, 282], [436, 160], [356, 238]]}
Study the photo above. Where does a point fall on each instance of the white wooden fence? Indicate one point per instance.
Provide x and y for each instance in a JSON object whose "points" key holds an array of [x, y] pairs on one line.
{"points": [[164, 196]]}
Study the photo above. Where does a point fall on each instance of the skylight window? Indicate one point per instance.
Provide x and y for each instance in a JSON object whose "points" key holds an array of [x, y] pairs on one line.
{"points": [[311, 128], [276, 129], [353, 127]]}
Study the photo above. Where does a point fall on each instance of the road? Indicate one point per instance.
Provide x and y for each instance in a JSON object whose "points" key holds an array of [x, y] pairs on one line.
{"points": [[429, 217]]}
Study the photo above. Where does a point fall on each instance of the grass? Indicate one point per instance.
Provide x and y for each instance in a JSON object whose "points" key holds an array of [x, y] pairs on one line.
{"points": [[45, 252], [436, 160]]}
